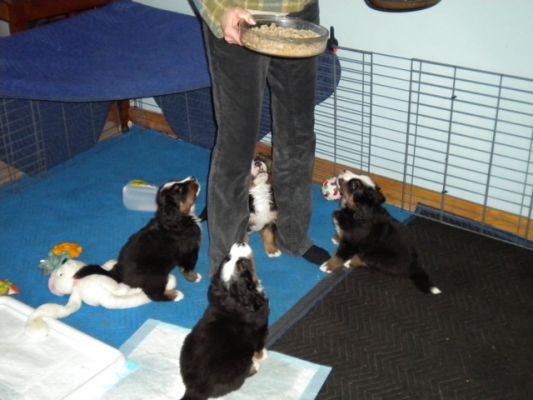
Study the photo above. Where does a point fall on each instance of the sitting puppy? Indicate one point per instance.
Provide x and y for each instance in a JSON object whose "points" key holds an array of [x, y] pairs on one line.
{"points": [[263, 211], [172, 238], [369, 237], [226, 345]]}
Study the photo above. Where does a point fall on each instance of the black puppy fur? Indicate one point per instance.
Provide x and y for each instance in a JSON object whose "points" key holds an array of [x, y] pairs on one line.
{"points": [[225, 346], [367, 235], [171, 238]]}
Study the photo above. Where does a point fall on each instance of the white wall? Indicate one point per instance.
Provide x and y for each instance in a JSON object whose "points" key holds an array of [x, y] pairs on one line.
{"points": [[494, 35], [181, 6]]}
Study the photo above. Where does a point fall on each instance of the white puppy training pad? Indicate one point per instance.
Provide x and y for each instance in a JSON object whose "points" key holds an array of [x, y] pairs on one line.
{"points": [[66, 364], [156, 347]]}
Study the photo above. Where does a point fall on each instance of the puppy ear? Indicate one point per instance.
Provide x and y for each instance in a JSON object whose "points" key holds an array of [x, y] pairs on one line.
{"points": [[168, 207], [266, 159], [377, 196], [357, 188], [245, 294], [268, 162]]}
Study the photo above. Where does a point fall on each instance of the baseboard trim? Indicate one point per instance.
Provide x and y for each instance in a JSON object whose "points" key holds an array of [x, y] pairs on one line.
{"points": [[405, 196], [150, 120]]}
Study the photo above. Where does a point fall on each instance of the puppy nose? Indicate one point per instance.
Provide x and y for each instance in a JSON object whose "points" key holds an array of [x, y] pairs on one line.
{"points": [[257, 163], [193, 178]]}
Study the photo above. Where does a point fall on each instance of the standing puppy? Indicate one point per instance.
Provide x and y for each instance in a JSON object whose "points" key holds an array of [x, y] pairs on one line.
{"points": [[367, 236], [172, 238], [263, 210], [262, 205], [226, 345]]}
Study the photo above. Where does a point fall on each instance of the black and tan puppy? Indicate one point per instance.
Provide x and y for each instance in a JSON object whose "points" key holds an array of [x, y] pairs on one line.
{"points": [[367, 236], [263, 210], [226, 345], [171, 238]]}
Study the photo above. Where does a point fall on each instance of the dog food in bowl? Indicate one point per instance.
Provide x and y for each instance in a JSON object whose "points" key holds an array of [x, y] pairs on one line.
{"points": [[284, 36]]}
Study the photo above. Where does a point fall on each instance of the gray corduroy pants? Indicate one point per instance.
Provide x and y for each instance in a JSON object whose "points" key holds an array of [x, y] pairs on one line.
{"points": [[238, 78]]}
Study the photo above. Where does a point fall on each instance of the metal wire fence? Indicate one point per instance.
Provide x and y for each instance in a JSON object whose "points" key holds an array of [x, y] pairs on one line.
{"points": [[36, 135], [446, 142]]}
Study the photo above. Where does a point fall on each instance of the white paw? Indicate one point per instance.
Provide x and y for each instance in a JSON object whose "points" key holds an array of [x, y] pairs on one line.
{"points": [[324, 268], [435, 290], [171, 282], [334, 240], [256, 365], [263, 357], [198, 277], [108, 265], [275, 254], [179, 296], [347, 264]]}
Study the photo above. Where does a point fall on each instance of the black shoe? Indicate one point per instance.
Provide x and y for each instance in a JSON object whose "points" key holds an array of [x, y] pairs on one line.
{"points": [[316, 255]]}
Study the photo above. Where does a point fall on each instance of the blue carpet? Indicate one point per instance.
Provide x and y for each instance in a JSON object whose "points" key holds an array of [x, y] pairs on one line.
{"points": [[81, 201]]}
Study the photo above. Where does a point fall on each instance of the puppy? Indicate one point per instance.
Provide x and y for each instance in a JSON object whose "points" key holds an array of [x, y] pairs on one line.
{"points": [[263, 210], [262, 205], [227, 343], [171, 238], [367, 236]]}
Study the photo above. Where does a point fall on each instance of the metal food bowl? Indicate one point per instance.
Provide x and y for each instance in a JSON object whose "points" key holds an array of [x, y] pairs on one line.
{"points": [[284, 36]]}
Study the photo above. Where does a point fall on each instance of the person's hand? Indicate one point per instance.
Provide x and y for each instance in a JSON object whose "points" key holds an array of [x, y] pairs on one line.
{"points": [[230, 24]]}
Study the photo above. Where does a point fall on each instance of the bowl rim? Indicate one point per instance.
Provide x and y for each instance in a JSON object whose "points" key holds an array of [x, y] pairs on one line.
{"points": [[323, 32]]}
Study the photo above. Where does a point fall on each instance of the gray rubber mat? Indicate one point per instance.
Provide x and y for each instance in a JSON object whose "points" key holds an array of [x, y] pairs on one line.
{"points": [[386, 340]]}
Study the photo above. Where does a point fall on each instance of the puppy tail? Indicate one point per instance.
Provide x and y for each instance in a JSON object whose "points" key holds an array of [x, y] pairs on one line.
{"points": [[87, 270], [421, 280]]}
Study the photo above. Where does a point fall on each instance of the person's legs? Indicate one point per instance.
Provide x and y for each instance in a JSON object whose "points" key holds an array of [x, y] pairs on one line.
{"points": [[293, 139], [238, 77], [292, 83]]}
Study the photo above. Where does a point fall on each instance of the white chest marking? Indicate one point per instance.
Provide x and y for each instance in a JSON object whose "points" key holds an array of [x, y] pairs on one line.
{"points": [[263, 207]]}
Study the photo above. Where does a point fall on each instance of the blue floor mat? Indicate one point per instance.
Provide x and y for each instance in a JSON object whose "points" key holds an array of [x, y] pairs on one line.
{"points": [[81, 201]]}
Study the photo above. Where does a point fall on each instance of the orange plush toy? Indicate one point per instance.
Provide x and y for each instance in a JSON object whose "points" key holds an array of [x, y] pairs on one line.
{"points": [[59, 254]]}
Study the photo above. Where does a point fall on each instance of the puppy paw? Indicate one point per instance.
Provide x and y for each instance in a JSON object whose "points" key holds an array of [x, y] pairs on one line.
{"points": [[325, 268], [108, 265], [434, 290], [273, 254], [171, 282], [179, 296], [191, 276], [261, 356], [254, 369]]}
